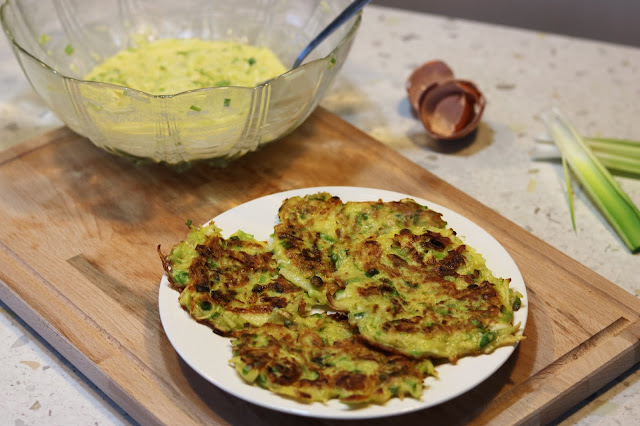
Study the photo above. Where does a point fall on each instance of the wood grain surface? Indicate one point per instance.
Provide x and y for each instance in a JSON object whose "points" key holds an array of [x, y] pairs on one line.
{"points": [[78, 263]]}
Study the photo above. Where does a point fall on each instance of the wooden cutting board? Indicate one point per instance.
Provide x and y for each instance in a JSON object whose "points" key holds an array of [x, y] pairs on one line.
{"points": [[78, 263]]}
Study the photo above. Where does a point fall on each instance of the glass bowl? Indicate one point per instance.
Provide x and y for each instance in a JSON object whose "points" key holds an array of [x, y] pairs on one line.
{"points": [[57, 42]]}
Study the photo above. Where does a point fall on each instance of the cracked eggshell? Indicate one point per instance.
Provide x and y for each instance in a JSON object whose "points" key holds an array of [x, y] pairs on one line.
{"points": [[451, 110], [423, 78]]}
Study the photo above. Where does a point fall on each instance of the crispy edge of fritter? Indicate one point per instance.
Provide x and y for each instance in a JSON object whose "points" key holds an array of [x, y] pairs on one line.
{"points": [[165, 265]]}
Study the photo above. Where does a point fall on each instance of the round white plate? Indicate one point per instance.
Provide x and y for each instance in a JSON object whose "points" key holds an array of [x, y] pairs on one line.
{"points": [[209, 354]]}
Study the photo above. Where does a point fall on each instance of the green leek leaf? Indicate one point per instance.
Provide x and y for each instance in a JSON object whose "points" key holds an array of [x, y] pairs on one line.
{"points": [[617, 155], [567, 181], [603, 190]]}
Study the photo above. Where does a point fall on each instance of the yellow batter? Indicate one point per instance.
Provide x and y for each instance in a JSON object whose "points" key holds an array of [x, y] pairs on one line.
{"points": [[170, 66]]}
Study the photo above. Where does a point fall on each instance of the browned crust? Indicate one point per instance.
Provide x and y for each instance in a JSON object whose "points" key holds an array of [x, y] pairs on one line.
{"points": [[226, 284], [272, 361]]}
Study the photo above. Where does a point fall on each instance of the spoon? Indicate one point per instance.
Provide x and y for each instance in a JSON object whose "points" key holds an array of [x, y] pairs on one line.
{"points": [[346, 14]]}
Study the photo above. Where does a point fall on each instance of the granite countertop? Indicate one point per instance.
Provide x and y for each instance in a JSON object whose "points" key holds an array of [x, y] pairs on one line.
{"points": [[522, 73]]}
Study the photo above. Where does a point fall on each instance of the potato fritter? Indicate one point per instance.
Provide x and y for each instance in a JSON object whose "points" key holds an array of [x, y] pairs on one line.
{"points": [[230, 283], [407, 282], [312, 240], [319, 357]]}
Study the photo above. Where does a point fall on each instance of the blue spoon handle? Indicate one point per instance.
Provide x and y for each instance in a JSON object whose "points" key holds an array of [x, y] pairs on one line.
{"points": [[346, 14]]}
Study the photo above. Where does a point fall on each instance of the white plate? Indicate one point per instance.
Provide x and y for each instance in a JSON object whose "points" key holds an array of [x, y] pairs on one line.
{"points": [[208, 354]]}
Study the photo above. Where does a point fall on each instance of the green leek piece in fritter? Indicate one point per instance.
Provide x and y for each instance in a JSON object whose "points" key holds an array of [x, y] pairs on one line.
{"points": [[230, 283], [318, 358]]}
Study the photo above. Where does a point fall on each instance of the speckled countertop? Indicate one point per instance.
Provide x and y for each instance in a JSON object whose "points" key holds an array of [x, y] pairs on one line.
{"points": [[522, 73]]}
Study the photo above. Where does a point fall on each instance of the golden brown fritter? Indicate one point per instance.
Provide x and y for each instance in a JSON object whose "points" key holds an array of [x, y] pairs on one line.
{"points": [[230, 283], [407, 282], [319, 357]]}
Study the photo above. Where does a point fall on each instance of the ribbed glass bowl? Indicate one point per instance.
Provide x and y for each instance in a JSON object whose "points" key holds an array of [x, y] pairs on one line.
{"points": [[57, 42]]}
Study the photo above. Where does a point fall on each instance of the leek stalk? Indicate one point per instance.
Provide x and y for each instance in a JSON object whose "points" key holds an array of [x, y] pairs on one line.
{"points": [[603, 190], [615, 154]]}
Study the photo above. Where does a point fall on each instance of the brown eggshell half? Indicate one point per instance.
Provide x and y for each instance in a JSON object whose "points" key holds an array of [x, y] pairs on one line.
{"points": [[425, 76], [451, 110]]}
